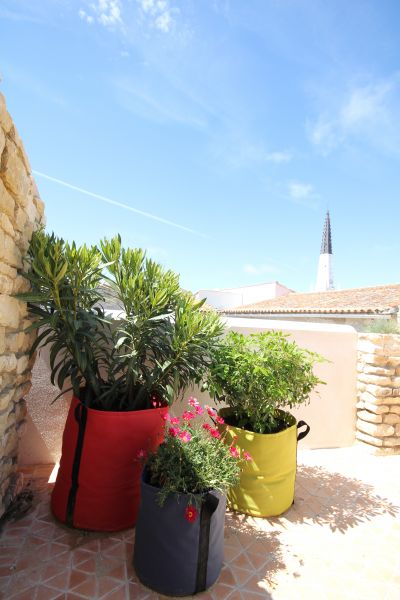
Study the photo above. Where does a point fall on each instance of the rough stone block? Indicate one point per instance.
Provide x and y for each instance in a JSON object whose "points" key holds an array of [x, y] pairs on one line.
{"points": [[369, 347], [6, 225], [39, 205], [388, 400], [21, 219], [378, 409], [398, 429], [395, 409], [20, 410], [6, 285], [9, 251], [5, 398], [374, 370], [20, 146], [375, 430], [4, 422], [375, 379], [393, 361], [7, 203], [2, 140], [9, 312], [372, 359], [22, 364], [8, 271], [8, 363], [369, 439], [367, 397], [378, 391], [22, 390], [10, 444], [365, 415], [5, 119], [391, 418], [3, 343], [391, 441], [14, 173]]}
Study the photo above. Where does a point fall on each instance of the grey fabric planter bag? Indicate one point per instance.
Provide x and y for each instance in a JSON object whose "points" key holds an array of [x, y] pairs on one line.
{"points": [[173, 556]]}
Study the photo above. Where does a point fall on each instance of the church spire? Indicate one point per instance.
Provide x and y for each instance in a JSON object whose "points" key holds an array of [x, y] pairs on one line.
{"points": [[326, 245], [324, 275]]}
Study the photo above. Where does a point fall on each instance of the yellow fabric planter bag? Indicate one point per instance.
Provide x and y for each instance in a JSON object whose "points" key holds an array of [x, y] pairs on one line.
{"points": [[266, 486]]}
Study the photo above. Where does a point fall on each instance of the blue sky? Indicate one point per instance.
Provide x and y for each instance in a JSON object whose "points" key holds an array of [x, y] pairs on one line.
{"points": [[215, 133]]}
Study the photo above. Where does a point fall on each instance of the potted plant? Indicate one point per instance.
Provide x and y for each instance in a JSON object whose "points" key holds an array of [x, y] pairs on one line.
{"points": [[180, 526], [260, 377], [124, 374]]}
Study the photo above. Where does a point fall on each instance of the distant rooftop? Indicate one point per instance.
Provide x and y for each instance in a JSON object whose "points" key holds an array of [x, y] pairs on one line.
{"points": [[383, 299]]}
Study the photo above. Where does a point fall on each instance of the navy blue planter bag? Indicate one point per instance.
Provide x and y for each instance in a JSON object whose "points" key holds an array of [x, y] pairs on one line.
{"points": [[172, 555]]}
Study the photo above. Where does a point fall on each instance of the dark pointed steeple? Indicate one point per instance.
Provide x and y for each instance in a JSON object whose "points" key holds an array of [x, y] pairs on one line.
{"points": [[326, 246]]}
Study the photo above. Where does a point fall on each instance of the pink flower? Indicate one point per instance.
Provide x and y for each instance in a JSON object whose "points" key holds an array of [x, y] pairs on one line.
{"points": [[206, 426], [185, 436], [174, 420], [215, 433], [141, 453], [188, 415], [199, 410], [234, 452], [165, 417], [193, 402], [191, 513], [211, 411], [247, 456], [173, 431], [219, 420]]}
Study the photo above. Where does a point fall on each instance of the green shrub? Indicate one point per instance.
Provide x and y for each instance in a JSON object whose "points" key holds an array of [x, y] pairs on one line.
{"points": [[162, 342], [258, 374], [383, 326]]}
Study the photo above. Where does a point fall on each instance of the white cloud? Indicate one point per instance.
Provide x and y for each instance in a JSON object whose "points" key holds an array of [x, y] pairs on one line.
{"points": [[239, 150], [105, 12], [159, 13], [262, 269], [368, 112], [85, 17], [278, 157], [303, 193]]}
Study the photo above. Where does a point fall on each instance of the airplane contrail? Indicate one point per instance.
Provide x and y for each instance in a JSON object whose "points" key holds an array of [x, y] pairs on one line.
{"points": [[119, 204]]}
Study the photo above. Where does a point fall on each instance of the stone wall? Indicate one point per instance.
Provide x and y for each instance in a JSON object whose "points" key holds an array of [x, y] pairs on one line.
{"points": [[21, 211], [378, 392]]}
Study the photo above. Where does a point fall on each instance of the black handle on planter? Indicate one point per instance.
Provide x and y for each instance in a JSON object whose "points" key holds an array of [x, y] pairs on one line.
{"points": [[302, 434], [209, 506], [80, 415]]}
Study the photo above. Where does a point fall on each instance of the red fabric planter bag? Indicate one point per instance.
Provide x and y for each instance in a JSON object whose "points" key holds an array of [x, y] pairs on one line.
{"points": [[98, 482]]}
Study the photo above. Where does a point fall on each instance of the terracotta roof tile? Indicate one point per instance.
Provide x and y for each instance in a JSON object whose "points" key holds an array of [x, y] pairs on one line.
{"points": [[368, 300]]}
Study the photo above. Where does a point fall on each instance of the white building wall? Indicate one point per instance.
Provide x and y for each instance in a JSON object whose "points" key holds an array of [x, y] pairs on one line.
{"points": [[240, 296], [325, 273]]}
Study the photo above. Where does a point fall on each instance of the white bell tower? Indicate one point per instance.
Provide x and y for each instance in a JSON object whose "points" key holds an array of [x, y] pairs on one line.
{"points": [[325, 274]]}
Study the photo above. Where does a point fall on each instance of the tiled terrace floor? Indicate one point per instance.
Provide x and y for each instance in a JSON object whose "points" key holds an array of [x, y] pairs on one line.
{"points": [[339, 541]]}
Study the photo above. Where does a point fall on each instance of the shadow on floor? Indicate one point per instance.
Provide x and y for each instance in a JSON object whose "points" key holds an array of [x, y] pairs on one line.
{"points": [[327, 498], [262, 549]]}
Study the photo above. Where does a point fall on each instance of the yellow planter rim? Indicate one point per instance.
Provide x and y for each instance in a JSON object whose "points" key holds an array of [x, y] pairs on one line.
{"points": [[224, 412]]}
